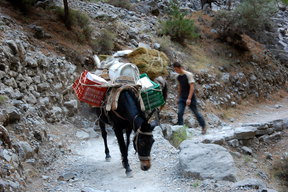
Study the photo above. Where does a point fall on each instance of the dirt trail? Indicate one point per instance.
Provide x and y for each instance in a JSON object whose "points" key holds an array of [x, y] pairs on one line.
{"points": [[264, 112], [87, 162], [94, 174]]}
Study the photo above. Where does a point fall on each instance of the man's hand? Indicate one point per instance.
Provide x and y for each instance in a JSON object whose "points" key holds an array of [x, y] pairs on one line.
{"points": [[188, 102]]}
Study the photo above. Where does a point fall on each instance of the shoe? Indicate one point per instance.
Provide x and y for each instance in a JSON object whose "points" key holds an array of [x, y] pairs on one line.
{"points": [[204, 131]]}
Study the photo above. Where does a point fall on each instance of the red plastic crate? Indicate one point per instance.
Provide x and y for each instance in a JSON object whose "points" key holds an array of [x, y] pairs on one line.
{"points": [[87, 90]]}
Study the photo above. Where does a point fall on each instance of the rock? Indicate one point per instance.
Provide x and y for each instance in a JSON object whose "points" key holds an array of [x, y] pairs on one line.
{"points": [[215, 139], [247, 150], [67, 176], [213, 120], [245, 132], [30, 62], [13, 46], [263, 175], [190, 122], [72, 104], [285, 123], [250, 183], [89, 189], [25, 150], [44, 101], [156, 46], [268, 190], [233, 143], [13, 117], [41, 87], [2, 74], [206, 161], [10, 82], [236, 154], [4, 137], [5, 154], [144, 45], [264, 138], [82, 135]]}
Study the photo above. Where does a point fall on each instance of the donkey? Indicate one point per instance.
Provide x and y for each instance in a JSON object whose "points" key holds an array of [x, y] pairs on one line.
{"points": [[227, 3], [209, 2], [126, 118]]}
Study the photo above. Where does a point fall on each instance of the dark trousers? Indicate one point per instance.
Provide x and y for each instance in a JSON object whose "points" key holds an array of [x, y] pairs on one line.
{"points": [[193, 107]]}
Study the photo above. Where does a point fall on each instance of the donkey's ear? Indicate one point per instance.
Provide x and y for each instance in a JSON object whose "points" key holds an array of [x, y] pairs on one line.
{"points": [[154, 124]]}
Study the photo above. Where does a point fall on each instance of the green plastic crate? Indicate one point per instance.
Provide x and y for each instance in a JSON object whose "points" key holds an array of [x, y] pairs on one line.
{"points": [[152, 97]]}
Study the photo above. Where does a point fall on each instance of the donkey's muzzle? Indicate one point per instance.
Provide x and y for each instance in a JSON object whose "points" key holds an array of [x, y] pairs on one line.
{"points": [[145, 164]]}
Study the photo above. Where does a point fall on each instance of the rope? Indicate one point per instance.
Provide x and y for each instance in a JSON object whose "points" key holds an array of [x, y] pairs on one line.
{"points": [[147, 95], [155, 59], [143, 158]]}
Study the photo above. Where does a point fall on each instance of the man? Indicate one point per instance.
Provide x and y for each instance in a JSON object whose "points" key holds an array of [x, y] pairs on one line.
{"points": [[186, 95]]}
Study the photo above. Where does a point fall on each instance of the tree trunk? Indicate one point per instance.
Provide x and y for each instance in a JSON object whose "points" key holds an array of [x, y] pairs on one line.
{"points": [[66, 15]]}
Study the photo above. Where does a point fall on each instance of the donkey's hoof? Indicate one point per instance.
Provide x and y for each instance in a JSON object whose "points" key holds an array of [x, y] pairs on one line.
{"points": [[108, 158], [129, 173]]}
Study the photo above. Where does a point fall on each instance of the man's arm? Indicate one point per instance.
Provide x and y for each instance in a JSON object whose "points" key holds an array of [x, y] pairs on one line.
{"points": [[191, 91]]}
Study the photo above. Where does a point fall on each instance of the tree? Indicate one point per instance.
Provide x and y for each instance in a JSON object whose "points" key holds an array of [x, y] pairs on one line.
{"points": [[177, 26], [66, 15]]}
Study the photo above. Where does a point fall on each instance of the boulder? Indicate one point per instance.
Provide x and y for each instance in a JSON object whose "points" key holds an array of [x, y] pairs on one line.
{"points": [[206, 161], [245, 132]]}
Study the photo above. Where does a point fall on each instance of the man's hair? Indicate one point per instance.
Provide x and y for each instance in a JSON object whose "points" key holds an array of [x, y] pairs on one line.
{"points": [[177, 64]]}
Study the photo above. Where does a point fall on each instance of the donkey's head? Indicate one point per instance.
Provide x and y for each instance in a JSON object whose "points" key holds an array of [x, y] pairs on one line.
{"points": [[142, 143]]}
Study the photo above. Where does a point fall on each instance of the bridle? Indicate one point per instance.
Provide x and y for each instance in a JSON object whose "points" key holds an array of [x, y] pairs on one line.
{"points": [[143, 158]]}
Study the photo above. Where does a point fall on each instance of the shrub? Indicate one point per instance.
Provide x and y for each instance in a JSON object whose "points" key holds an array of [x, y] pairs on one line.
{"points": [[105, 42], [250, 17], [280, 169], [256, 15], [179, 136], [23, 5], [177, 26], [78, 20], [3, 98], [123, 3]]}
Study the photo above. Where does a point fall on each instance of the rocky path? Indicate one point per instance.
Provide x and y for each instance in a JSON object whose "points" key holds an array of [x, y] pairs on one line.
{"points": [[84, 168], [264, 113]]}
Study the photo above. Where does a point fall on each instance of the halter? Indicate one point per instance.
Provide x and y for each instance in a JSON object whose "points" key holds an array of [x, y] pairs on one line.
{"points": [[143, 158]]}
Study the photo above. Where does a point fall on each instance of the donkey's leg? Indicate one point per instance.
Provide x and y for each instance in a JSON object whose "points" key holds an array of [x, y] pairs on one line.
{"points": [[128, 133], [104, 136], [123, 150]]}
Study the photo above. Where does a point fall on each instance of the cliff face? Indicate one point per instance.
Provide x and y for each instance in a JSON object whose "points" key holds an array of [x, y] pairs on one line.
{"points": [[39, 62]]}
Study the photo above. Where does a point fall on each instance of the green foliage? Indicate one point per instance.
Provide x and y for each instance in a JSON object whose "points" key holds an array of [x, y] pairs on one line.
{"points": [[78, 20], [123, 3], [104, 44], [23, 5], [255, 15], [196, 184], [3, 98], [285, 1], [247, 159], [177, 26], [250, 17], [280, 169], [179, 136]]}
